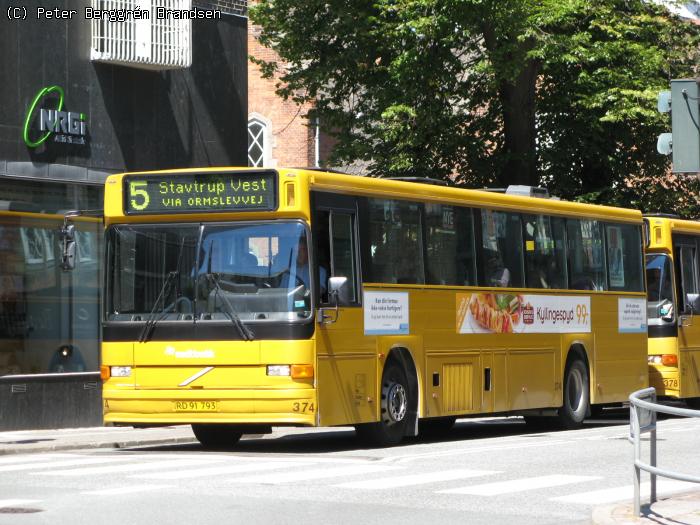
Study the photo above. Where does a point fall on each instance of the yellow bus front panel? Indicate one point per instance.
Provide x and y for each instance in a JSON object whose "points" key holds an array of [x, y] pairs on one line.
{"points": [[209, 381]]}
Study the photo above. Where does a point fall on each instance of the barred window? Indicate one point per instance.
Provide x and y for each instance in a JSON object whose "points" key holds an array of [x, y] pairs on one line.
{"points": [[256, 142]]}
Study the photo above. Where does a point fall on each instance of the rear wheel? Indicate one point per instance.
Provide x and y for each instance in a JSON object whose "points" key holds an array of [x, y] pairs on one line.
{"points": [[395, 405], [576, 395], [216, 435]]}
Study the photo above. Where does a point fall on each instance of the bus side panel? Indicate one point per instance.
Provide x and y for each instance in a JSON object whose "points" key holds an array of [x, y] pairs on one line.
{"points": [[617, 360], [346, 389], [453, 383], [347, 371], [689, 357], [531, 378]]}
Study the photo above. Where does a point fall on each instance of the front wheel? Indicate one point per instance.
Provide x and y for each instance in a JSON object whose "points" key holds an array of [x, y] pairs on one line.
{"points": [[217, 435], [693, 403], [576, 396], [395, 406]]}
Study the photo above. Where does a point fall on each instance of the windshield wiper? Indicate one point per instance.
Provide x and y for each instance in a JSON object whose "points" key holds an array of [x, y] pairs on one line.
{"points": [[151, 322], [246, 333]]}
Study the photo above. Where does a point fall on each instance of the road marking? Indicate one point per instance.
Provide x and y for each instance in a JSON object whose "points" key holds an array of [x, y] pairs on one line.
{"points": [[153, 465], [126, 490], [615, 494], [416, 479], [58, 464], [14, 502], [37, 457], [308, 475], [519, 485], [478, 450], [215, 471]]}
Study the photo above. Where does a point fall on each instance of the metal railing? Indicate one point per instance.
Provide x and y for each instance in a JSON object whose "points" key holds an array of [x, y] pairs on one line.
{"points": [[643, 410]]}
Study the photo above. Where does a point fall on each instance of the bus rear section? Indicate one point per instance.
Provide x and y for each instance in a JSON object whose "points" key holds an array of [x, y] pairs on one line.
{"points": [[673, 307]]}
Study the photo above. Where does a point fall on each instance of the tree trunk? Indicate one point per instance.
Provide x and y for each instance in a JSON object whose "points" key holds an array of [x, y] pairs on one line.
{"points": [[517, 97], [518, 103]]}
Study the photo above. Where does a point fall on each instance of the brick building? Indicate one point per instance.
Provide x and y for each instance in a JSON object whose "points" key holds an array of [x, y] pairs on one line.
{"points": [[279, 133]]}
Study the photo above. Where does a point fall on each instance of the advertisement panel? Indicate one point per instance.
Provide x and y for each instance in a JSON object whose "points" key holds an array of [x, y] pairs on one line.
{"points": [[631, 315], [502, 313], [386, 313]]}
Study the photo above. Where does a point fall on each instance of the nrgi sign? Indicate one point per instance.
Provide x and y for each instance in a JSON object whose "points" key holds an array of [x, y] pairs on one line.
{"points": [[66, 126]]}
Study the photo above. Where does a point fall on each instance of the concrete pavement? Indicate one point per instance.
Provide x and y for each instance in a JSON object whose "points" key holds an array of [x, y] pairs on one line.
{"points": [[681, 509]]}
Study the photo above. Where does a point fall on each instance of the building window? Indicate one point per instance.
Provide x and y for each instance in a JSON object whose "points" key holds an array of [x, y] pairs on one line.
{"points": [[256, 142]]}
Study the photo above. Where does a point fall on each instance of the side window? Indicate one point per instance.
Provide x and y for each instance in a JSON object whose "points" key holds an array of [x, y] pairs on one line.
{"points": [[502, 244], [624, 257], [686, 257], [545, 257], [342, 255], [450, 245], [586, 256], [335, 255], [395, 242]]}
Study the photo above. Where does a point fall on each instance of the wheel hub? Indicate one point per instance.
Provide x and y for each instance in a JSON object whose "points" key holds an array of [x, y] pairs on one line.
{"points": [[397, 402]]}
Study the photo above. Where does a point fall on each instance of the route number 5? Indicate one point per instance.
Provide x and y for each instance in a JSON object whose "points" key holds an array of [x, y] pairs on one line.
{"points": [[136, 190]]}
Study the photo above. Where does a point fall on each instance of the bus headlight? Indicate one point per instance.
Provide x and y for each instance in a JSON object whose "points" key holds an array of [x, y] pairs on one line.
{"points": [[278, 370], [120, 371], [654, 359]]}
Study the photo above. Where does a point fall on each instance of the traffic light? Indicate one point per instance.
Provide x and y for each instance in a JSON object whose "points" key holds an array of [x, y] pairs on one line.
{"points": [[684, 140]]}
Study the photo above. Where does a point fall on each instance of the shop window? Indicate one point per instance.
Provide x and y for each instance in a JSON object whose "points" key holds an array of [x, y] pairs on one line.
{"points": [[49, 320]]}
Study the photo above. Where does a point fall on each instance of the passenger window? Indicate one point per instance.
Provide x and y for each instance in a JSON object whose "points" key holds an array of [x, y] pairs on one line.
{"points": [[688, 272], [586, 256], [396, 254], [335, 253], [343, 255], [502, 243], [545, 257], [450, 245], [624, 257]]}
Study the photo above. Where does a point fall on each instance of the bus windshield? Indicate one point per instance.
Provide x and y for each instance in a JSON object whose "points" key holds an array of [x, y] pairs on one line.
{"points": [[659, 289], [255, 272]]}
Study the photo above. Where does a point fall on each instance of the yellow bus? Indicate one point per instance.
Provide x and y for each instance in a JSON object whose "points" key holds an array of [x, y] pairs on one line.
{"points": [[239, 299], [673, 307]]}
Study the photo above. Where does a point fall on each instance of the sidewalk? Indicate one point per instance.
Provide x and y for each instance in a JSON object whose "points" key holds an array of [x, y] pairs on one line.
{"points": [[680, 509], [33, 441]]}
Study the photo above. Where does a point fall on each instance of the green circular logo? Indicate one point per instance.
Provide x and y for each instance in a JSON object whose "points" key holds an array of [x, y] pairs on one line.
{"points": [[39, 96]]}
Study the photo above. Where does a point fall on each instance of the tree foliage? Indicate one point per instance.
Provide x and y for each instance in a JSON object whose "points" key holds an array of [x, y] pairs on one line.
{"points": [[488, 92]]}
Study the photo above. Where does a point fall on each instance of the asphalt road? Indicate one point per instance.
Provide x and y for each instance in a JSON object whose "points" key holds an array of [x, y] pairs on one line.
{"points": [[484, 471]]}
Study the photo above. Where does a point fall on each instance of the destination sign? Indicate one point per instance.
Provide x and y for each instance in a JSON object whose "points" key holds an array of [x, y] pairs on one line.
{"points": [[200, 192]]}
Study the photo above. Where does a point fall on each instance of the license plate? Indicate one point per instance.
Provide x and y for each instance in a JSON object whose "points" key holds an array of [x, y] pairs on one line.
{"points": [[196, 406]]}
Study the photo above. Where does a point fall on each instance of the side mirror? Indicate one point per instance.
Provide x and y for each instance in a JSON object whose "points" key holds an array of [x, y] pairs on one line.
{"points": [[67, 236], [338, 293], [692, 302], [337, 288]]}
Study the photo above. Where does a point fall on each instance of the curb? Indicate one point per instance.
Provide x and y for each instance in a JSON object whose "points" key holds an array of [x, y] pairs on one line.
{"points": [[97, 444]]}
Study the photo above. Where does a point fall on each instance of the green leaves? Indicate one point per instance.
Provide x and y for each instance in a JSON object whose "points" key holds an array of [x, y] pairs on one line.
{"points": [[555, 92]]}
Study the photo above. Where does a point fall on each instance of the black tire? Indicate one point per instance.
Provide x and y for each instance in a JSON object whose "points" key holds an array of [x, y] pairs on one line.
{"points": [[540, 422], [395, 407], [597, 411], [436, 427], [216, 435], [693, 403], [576, 402]]}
